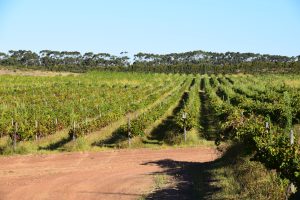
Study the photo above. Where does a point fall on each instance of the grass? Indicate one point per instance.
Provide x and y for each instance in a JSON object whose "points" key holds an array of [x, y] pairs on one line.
{"points": [[6, 147], [165, 132], [161, 181], [3, 143], [234, 176], [49, 144], [293, 83], [80, 144], [193, 140], [61, 143]]}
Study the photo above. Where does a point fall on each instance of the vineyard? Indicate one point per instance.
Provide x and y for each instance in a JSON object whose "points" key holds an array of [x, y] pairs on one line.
{"points": [[106, 109]]}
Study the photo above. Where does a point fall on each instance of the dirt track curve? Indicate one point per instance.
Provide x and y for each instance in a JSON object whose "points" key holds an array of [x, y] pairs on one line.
{"points": [[119, 174]]}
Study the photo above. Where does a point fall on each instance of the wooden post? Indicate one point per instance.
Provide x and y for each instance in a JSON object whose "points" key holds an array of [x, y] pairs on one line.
{"points": [[267, 127], [291, 137], [129, 132], [36, 129], [15, 135], [184, 130], [291, 187], [184, 126], [74, 126]]}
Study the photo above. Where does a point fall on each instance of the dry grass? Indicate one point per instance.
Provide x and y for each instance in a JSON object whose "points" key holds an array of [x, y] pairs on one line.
{"points": [[34, 73], [293, 83]]}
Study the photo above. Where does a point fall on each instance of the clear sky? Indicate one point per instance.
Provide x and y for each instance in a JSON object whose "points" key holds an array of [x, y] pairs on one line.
{"points": [[156, 26]]}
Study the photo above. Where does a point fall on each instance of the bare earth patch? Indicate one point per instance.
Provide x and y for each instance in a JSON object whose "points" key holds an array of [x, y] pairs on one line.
{"points": [[33, 73], [119, 174]]}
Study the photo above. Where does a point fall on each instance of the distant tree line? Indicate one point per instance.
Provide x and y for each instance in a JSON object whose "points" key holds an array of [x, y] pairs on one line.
{"points": [[188, 62], [62, 60]]}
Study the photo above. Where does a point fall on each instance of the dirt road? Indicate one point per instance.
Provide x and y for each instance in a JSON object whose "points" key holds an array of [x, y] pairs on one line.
{"points": [[119, 174]]}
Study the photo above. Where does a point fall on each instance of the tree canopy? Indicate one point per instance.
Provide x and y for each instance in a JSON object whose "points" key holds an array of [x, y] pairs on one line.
{"points": [[187, 62]]}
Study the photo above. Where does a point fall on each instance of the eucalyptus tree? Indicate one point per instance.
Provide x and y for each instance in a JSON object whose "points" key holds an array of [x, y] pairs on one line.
{"points": [[24, 58], [3, 58]]}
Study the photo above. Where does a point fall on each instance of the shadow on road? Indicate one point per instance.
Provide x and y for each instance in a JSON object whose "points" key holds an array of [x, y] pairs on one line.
{"points": [[192, 180]]}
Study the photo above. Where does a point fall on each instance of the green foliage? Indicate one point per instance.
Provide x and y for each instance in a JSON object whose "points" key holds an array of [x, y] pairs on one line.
{"points": [[138, 125], [287, 111], [273, 147], [43, 105], [188, 62], [242, 178], [188, 122]]}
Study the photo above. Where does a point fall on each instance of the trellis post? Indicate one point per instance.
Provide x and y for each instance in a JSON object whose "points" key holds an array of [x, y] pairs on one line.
{"points": [[15, 135], [267, 127], [292, 137], [74, 128], [129, 132], [291, 187], [36, 130], [184, 125]]}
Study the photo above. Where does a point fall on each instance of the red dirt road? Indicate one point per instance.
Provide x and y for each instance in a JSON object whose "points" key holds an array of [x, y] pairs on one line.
{"points": [[120, 174]]}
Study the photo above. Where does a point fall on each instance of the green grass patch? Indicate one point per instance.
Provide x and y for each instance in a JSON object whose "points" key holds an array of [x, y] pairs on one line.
{"points": [[80, 144], [235, 176], [6, 147], [161, 181]]}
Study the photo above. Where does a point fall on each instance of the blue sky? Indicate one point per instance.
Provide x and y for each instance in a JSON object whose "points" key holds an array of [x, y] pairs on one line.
{"points": [[157, 26]]}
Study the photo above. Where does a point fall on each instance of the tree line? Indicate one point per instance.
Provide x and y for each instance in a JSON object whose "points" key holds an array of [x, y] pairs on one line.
{"points": [[61, 60], [187, 62]]}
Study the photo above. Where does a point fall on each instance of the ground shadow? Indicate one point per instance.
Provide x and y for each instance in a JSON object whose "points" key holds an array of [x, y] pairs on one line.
{"points": [[208, 121], [56, 145], [116, 138], [295, 196], [168, 127], [163, 132], [184, 186], [156, 136], [192, 180], [2, 148]]}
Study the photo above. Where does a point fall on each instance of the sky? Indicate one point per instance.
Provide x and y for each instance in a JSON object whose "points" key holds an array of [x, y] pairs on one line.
{"points": [[151, 26]]}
